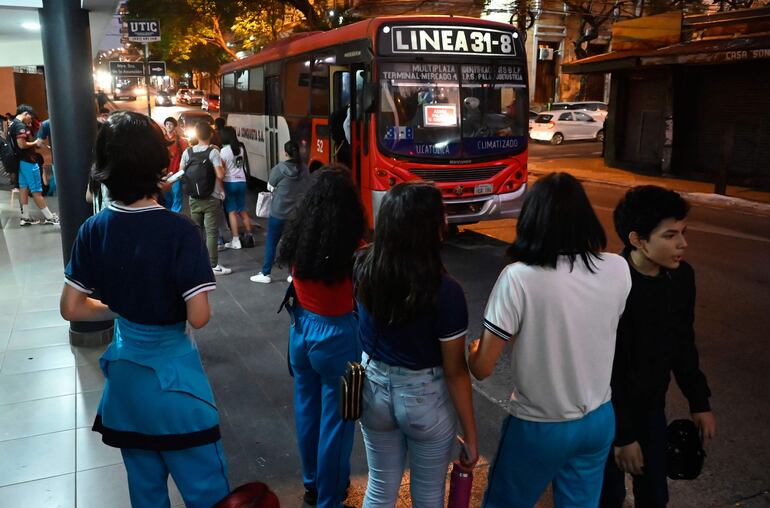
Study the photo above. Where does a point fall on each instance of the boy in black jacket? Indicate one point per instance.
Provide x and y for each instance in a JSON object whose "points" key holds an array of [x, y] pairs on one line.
{"points": [[655, 338]]}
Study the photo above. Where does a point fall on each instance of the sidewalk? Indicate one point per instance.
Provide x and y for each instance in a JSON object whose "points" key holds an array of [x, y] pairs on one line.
{"points": [[593, 169]]}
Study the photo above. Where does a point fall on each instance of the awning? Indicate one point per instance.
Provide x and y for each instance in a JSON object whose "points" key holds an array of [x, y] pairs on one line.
{"points": [[711, 51]]}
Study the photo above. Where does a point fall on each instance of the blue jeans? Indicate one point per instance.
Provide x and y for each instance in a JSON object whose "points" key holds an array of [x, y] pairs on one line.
{"points": [[406, 413], [320, 347], [274, 232], [570, 454]]}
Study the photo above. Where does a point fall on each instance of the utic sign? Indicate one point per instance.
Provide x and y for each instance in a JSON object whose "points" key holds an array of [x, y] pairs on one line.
{"points": [[143, 30]]}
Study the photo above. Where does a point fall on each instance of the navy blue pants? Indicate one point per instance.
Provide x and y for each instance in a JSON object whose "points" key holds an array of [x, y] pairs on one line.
{"points": [[274, 232], [651, 487]]}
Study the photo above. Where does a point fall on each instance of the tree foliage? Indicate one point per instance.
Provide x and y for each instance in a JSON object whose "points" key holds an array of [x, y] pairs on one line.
{"points": [[203, 34]]}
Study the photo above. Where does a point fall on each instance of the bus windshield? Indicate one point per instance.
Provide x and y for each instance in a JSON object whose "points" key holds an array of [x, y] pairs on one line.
{"points": [[450, 111]]}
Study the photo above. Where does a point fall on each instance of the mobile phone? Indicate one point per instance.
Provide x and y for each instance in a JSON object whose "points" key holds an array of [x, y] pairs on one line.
{"points": [[176, 176]]}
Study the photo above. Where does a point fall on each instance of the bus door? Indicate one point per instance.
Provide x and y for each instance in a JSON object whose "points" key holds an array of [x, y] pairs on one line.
{"points": [[272, 110], [339, 104]]}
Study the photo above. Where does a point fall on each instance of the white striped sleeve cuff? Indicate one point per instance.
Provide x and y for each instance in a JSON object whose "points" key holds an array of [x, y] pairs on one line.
{"points": [[453, 336], [77, 285], [201, 288], [497, 331]]}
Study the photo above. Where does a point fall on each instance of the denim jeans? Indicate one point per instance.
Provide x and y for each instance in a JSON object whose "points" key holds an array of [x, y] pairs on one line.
{"points": [[274, 232], [406, 413]]}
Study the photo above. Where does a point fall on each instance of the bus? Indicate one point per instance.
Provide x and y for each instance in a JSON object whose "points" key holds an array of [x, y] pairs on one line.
{"points": [[437, 98]]}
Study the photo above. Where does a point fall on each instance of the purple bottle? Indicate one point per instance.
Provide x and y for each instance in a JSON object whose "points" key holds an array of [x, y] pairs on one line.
{"points": [[460, 486]]}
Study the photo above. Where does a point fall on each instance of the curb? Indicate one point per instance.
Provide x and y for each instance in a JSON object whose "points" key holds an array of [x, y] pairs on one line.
{"points": [[715, 201]]}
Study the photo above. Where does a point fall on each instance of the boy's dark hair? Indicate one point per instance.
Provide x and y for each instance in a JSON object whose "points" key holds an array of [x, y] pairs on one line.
{"points": [[326, 229], [219, 123], [26, 108], [203, 131], [399, 275], [292, 150], [172, 120], [103, 111], [557, 219], [643, 208], [129, 156]]}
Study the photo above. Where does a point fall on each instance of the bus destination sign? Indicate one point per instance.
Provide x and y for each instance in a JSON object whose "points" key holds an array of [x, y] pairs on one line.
{"points": [[446, 40]]}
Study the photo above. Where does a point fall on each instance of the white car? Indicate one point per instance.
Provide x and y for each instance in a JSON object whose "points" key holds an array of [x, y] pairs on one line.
{"points": [[596, 109], [558, 126]]}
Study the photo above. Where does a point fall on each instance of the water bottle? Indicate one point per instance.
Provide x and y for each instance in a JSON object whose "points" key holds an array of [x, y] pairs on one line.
{"points": [[460, 486]]}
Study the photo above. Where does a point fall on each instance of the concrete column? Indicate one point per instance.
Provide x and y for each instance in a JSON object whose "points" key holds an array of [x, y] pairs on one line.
{"points": [[70, 89]]}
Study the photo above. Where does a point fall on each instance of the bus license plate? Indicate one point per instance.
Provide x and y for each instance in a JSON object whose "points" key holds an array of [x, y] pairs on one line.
{"points": [[483, 188]]}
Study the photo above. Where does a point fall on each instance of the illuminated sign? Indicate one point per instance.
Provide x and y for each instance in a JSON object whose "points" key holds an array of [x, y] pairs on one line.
{"points": [[440, 115], [447, 40]]}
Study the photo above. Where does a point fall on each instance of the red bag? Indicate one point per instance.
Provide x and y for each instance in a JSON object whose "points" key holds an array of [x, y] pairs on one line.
{"points": [[250, 495]]}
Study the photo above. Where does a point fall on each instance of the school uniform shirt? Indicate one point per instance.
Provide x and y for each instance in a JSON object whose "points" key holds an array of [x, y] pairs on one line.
{"points": [[175, 150], [145, 263], [564, 321], [233, 164], [19, 130], [216, 160], [416, 344]]}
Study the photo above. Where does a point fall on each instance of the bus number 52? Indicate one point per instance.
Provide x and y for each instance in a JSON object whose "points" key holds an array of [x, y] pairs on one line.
{"points": [[320, 145]]}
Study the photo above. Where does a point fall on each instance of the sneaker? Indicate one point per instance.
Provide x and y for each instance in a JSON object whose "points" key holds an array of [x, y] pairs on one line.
{"points": [[221, 270], [54, 220], [289, 279], [27, 222], [261, 277], [310, 497], [221, 247], [234, 244]]}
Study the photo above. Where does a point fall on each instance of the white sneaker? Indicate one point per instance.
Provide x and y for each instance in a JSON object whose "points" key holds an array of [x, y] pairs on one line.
{"points": [[27, 222], [221, 247], [261, 277], [221, 270], [289, 279], [54, 220], [234, 244]]}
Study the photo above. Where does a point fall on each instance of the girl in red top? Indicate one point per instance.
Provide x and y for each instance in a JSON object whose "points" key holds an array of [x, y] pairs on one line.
{"points": [[318, 245], [176, 146]]}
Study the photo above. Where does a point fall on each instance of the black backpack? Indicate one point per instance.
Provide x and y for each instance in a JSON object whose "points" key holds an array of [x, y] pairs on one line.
{"points": [[199, 176], [8, 154]]}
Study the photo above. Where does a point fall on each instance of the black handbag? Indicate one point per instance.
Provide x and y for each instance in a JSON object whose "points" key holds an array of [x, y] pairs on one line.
{"points": [[351, 391]]}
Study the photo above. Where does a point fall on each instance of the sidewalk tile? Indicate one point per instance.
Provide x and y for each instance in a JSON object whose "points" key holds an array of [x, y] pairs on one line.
{"points": [[87, 404], [38, 319], [39, 337], [37, 457], [55, 492], [43, 358], [37, 385], [92, 453], [89, 378], [35, 417], [108, 487]]}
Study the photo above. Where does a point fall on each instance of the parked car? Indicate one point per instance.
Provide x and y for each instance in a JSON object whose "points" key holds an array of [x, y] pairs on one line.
{"points": [[163, 99], [195, 97], [532, 116], [594, 108], [188, 119], [558, 126], [180, 95], [210, 102]]}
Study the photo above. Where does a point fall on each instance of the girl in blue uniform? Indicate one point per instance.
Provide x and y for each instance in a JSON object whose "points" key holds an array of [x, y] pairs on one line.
{"points": [[148, 269], [318, 246]]}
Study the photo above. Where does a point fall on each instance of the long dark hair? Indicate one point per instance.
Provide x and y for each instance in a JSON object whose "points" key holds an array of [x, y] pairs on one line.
{"points": [[130, 156], [326, 229], [399, 275], [557, 219], [229, 138]]}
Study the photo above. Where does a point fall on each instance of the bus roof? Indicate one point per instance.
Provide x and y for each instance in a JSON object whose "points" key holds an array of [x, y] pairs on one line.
{"points": [[304, 42]]}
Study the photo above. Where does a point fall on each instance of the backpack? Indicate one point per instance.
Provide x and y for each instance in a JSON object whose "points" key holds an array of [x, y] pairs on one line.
{"points": [[8, 155], [199, 176]]}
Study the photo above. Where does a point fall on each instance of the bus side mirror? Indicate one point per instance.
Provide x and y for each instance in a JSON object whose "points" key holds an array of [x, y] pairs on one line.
{"points": [[369, 103]]}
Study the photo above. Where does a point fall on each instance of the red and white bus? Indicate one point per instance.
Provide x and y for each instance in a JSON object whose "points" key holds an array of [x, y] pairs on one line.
{"points": [[437, 98]]}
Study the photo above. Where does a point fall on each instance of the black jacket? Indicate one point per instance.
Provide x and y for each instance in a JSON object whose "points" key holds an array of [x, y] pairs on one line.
{"points": [[656, 337]]}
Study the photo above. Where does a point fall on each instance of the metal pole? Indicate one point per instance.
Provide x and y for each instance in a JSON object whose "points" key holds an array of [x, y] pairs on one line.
{"points": [[147, 77], [70, 91]]}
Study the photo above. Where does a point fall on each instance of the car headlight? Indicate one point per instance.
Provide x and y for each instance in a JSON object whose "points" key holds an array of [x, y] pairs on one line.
{"points": [[189, 133]]}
